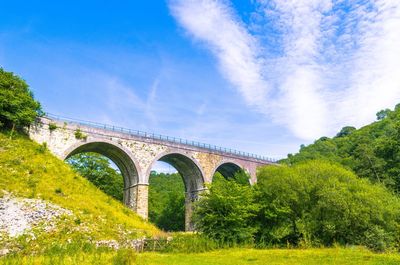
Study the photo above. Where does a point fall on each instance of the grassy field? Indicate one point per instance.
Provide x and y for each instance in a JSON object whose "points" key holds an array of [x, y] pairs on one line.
{"points": [[226, 257]]}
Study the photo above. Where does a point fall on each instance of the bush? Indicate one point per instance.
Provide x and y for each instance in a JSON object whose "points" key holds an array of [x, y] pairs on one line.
{"points": [[226, 212], [52, 127], [17, 105], [80, 135], [318, 203]]}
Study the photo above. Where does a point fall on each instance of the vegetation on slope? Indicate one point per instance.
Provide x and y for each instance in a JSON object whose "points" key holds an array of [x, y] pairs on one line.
{"points": [[372, 151], [29, 170], [98, 170]]}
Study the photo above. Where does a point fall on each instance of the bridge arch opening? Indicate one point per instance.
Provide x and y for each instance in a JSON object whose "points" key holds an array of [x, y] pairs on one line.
{"points": [[121, 158], [231, 171], [190, 174]]}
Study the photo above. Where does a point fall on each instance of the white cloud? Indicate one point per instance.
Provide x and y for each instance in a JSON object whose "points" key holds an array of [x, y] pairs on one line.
{"points": [[338, 64], [235, 48]]}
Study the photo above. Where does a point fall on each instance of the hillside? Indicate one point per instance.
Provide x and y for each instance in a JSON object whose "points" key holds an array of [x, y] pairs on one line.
{"points": [[64, 207], [372, 151]]}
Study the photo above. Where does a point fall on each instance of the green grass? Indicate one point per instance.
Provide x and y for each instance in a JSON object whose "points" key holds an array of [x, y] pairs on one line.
{"points": [[29, 170], [230, 256], [274, 256]]}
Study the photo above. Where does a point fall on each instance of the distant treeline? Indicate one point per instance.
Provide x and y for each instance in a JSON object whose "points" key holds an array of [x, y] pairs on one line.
{"points": [[372, 152]]}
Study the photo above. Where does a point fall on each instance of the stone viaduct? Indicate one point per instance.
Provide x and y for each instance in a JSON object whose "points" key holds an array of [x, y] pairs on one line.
{"points": [[135, 153]]}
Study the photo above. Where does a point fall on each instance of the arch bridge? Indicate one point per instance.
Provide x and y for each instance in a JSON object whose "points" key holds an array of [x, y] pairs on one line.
{"points": [[135, 152]]}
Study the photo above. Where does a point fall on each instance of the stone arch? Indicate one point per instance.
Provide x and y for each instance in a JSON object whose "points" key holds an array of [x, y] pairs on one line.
{"points": [[192, 176], [121, 157], [228, 168], [188, 167]]}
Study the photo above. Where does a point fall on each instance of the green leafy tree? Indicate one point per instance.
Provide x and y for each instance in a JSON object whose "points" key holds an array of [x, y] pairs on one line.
{"points": [[18, 108], [346, 131], [382, 114], [172, 217], [98, 170], [225, 213], [167, 201]]}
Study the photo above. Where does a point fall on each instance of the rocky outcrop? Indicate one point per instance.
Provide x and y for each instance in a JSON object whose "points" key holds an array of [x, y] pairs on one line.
{"points": [[19, 215]]}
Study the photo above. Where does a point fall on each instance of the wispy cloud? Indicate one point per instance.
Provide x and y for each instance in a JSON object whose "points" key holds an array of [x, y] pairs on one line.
{"points": [[337, 63], [236, 49]]}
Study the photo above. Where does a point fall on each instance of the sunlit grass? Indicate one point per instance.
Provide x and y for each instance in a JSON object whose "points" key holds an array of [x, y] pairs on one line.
{"points": [[29, 170], [229, 256]]}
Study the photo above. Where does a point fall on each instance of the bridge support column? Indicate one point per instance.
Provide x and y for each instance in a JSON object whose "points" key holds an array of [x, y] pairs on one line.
{"points": [[190, 199], [136, 198]]}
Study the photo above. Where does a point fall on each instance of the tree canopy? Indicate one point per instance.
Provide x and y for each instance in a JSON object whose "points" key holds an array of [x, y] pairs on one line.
{"points": [[167, 201], [18, 108], [314, 203], [98, 170], [372, 151]]}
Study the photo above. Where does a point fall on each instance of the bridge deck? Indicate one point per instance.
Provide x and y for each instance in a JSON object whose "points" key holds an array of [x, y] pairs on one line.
{"points": [[164, 138]]}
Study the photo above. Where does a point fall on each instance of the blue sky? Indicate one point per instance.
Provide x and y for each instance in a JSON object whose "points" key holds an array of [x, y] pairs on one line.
{"points": [[259, 76]]}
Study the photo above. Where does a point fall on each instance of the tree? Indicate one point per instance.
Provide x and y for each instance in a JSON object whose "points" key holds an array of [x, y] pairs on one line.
{"points": [[167, 201], [380, 115], [347, 130], [98, 170], [18, 108], [172, 217], [226, 212], [320, 203]]}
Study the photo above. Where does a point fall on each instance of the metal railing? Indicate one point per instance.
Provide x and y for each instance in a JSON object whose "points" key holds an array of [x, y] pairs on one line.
{"points": [[160, 137]]}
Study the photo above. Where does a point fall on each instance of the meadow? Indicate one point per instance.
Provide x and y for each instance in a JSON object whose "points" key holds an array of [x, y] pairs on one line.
{"points": [[352, 255]]}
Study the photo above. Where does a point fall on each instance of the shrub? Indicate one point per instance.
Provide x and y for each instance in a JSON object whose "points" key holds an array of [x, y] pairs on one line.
{"points": [[52, 126], [319, 203], [80, 135]]}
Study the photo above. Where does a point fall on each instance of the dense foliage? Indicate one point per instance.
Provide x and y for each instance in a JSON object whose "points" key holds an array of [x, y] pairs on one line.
{"points": [[17, 105], [98, 170], [321, 203], [372, 152], [312, 203], [227, 210], [167, 201]]}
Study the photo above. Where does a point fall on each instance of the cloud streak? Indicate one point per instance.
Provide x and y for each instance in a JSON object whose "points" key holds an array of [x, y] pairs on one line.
{"points": [[313, 66], [236, 49]]}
